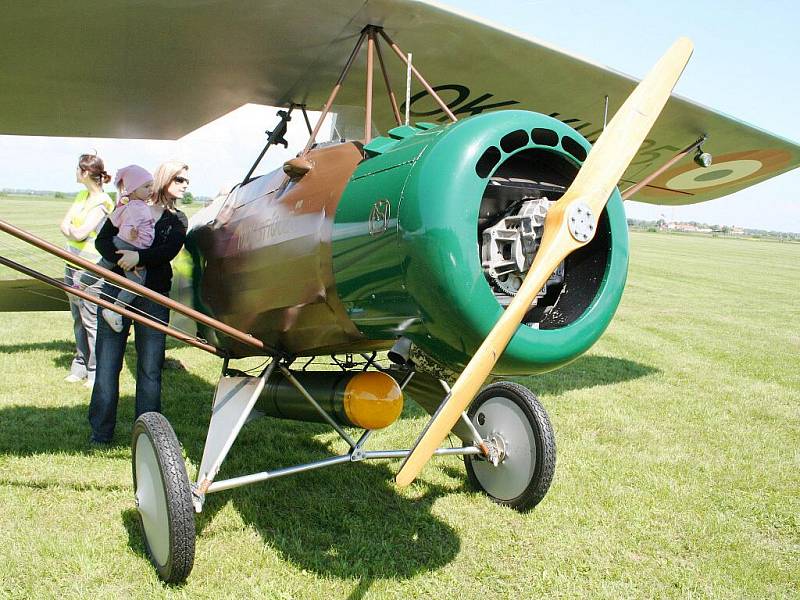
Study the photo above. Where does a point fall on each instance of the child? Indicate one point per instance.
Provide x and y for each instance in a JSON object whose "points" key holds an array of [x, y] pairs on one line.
{"points": [[133, 219]]}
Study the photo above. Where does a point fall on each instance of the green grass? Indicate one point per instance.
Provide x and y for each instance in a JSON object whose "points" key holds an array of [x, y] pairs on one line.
{"points": [[40, 215], [678, 465]]}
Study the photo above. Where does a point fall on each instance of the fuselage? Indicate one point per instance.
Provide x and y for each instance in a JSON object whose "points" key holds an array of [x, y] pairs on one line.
{"points": [[393, 240]]}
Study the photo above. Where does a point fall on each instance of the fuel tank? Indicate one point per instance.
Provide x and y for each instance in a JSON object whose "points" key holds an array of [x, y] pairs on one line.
{"points": [[366, 399], [424, 233]]}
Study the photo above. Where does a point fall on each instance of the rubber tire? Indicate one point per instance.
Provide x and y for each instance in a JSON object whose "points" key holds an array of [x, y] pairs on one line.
{"points": [[544, 438], [178, 495]]}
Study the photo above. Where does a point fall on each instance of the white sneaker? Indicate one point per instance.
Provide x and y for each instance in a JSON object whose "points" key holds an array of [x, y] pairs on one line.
{"points": [[113, 319], [89, 384], [73, 378]]}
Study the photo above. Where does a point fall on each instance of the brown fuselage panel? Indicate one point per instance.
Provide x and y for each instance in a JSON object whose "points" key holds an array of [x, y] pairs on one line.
{"points": [[268, 266]]}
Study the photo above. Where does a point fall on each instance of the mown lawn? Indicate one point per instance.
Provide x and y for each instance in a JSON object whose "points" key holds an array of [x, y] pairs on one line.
{"points": [[678, 464]]}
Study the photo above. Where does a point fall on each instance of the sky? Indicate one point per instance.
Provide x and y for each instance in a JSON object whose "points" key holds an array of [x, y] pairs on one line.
{"points": [[744, 65]]}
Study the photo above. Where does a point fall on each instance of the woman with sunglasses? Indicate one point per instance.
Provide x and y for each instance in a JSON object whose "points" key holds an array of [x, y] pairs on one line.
{"points": [[170, 183]]}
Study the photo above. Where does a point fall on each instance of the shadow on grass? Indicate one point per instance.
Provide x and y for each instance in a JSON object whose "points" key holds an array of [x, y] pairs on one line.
{"points": [[30, 430], [586, 372], [67, 350], [63, 361], [346, 522]]}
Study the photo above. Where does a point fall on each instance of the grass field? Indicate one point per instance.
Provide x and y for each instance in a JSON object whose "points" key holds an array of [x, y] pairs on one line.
{"points": [[678, 464]]}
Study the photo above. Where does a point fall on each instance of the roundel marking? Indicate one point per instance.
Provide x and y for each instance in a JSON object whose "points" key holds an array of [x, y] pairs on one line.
{"points": [[717, 174], [684, 183]]}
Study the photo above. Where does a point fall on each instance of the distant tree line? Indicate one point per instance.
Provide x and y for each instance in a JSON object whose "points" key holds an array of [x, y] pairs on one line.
{"points": [[188, 198], [661, 226]]}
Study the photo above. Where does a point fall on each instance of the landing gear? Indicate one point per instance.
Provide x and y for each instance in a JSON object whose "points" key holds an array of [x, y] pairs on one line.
{"points": [[163, 497], [520, 467]]}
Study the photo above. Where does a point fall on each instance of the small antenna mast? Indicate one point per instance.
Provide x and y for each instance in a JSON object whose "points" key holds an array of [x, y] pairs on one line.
{"points": [[408, 89]]}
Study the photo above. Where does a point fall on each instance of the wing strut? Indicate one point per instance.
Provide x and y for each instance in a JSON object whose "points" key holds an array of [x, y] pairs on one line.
{"points": [[637, 186], [424, 83], [121, 281], [140, 318], [334, 92], [369, 33]]}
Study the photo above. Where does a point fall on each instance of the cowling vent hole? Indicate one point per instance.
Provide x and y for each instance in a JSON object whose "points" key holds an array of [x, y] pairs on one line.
{"points": [[514, 141], [487, 162], [574, 148], [544, 137]]}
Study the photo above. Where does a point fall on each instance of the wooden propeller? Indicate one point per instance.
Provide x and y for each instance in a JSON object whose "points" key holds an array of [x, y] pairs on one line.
{"points": [[570, 224]]}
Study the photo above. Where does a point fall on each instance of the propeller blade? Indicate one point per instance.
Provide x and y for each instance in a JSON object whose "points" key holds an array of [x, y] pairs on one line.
{"points": [[570, 224]]}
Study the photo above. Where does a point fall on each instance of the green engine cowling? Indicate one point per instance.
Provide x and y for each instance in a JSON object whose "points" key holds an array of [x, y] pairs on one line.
{"points": [[407, 248]]}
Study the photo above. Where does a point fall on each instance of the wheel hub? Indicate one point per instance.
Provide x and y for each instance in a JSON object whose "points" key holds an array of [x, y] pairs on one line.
{"points": [[511, 460], [496, 446]]}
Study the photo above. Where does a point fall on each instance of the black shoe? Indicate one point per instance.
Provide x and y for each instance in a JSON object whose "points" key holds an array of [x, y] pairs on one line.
{"points": [[93, 441]]}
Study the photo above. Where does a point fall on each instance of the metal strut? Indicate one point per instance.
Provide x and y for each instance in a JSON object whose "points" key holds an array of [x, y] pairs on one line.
{"points": [[370, 33], [233, 402], [275, 137], [139, 318], [124, 283], [636, 187]]}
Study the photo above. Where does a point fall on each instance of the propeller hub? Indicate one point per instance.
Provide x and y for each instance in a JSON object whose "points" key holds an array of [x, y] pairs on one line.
{"points": [[581, 222]]}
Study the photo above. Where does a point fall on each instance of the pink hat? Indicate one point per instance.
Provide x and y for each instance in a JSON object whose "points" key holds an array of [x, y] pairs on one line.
{"points": [[131, 177]]}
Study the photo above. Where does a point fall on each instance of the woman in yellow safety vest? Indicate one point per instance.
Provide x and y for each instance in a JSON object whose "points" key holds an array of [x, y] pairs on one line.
{"points": [[80, 226]]}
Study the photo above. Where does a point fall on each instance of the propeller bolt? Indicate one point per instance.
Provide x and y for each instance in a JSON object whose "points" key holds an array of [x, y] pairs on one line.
{"points": [[581, 222]]}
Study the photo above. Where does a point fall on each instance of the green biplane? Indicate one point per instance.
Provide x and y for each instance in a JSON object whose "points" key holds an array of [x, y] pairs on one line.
{"points": [[474, 230]]}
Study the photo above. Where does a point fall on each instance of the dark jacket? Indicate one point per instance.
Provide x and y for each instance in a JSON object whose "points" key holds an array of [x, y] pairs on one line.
{"points": [[169, 234]]}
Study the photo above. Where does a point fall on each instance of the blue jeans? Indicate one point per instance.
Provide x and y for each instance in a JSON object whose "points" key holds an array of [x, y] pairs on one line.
{"points": [[84, 325], [110, 350]]}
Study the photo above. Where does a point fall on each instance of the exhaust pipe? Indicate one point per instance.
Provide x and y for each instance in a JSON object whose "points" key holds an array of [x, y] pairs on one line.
{"points": [[400, 351]]}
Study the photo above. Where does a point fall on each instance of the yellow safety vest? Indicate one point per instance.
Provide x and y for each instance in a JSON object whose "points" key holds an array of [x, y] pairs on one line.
{"points": [[82, 207]]}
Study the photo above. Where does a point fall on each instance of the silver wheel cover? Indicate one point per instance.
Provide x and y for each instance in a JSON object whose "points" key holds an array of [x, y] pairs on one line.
{"points": [[151, 500], [509, 479]]}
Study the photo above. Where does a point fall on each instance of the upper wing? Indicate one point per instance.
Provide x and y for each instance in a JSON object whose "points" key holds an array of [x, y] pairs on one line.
{"points": [[161, 68]]}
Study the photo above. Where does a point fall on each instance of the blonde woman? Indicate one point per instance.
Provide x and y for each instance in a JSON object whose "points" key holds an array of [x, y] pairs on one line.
{"points": [[170, 182], [80, 226]]}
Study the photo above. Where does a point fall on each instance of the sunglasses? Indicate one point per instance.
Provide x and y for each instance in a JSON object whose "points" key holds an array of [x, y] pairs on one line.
{"points": [[181, 180]]}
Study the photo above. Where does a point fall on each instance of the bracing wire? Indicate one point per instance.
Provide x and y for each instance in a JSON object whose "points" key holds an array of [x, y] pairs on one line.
{"points": [[47, 264], [55, 268]]}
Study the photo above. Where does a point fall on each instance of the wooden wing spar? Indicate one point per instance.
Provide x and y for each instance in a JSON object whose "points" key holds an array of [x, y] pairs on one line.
{"points": [[199, 60]]}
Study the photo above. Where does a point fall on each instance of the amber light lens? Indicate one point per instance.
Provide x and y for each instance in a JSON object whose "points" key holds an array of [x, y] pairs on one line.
{"points": [[373, 400]]}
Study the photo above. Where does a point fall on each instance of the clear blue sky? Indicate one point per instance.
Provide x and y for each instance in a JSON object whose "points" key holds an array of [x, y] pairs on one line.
{"points": [[744, 65]]}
